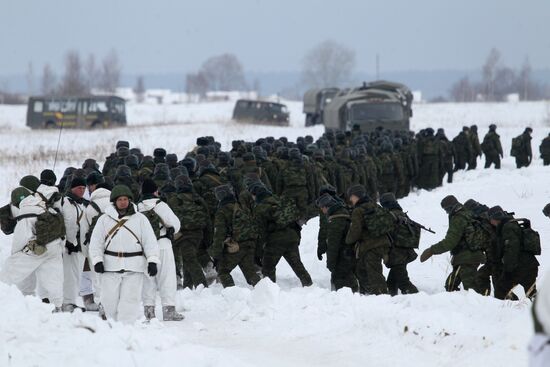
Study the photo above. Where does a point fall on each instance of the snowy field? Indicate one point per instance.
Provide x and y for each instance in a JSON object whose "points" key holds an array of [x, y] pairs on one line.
{"points": [[283, 324]]}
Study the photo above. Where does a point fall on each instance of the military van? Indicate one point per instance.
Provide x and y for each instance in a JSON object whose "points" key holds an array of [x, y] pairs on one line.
{"points": [[261, 112], [315, 101], [76, 112], [380, 103]]}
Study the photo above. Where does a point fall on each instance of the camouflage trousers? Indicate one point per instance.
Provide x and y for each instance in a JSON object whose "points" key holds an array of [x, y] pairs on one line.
{"points": [[343, 273], [369, 271], [398, 277], [187, 262], [244, 259], [273, 252], [524, 277], [492, 158], [522, 161], [463, 274]]}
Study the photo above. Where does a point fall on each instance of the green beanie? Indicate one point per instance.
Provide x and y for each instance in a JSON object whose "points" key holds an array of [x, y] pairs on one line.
{"points": [[30, 182], [121, 190], [18, 194]]}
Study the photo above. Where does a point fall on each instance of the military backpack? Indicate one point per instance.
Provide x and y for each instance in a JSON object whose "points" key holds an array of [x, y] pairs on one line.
{"points": [[294, 176], [530, 239], [154, 219], [285, 212], [405, 234], [192, 213], [476, 236], [379, 221], [429, 147], [243, 225], [517, 144]]}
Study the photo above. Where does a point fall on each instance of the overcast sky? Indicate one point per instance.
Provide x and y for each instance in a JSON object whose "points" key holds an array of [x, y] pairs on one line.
{"points": [[176, 36]]}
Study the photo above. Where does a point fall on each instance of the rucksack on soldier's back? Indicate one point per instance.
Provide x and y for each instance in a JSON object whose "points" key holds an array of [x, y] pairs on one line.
{"points": [[50, 226], [476, 237], [286, 212], [530, 239], [154, 219], [516, 146], [379, 221]]}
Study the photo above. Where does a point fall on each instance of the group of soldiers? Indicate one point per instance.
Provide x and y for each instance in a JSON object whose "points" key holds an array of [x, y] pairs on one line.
{"points": [[148, 223]]}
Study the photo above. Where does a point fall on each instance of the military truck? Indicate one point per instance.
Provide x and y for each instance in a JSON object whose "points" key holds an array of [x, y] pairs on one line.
{"points": [[379, 103], [315, 101], [261, 112], [76, 112]]}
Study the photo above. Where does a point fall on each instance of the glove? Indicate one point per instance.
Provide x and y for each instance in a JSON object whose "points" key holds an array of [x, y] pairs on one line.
{"points": [[72, 248], [426, 254], [319, 254], [152, 269], [99, 268]]}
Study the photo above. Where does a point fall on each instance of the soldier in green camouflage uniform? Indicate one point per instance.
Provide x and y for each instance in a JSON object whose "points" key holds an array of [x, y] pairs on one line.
{"points": [[447, 156], [340, 257], [492, 148], [293, 182], [545, 150], [524, 153], [192, 212], [429, 158], [465, 260], [463, 149], [476, 147], [235, 238], [404, 241], [370, 251], [520, 267], [388, 179], [277, 240]]}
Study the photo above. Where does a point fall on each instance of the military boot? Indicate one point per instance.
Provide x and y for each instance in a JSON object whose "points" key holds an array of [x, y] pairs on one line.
{"points": [[89, 303], [149, 312], [169, 314]]}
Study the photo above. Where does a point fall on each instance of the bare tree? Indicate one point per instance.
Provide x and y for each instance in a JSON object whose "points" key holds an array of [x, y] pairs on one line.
{"points": [[196, 83], [223, 72], [463, 91], [488, 72], [73, 81], [139, 89], [110, 72], [91, 72], [329, 64], [30, 79], [48, 82]]}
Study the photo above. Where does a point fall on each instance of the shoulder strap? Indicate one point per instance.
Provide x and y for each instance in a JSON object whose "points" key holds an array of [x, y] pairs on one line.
{"points": [[116, 227], [132, 233], [346, 216], [23, 216], [95, 206]]}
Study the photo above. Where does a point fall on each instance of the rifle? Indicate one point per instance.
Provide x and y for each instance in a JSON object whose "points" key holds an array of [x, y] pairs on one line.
{"points": [[411, 222]]}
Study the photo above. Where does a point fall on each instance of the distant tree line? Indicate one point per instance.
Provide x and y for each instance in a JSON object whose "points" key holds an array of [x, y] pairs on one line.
{"points": [[498, 81], [79, 76], [218, 73]]}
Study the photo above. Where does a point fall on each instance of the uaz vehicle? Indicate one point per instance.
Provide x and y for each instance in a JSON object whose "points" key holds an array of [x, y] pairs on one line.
{"points": [[315, 101], [261, 112], [76, 112], [380, 103]]}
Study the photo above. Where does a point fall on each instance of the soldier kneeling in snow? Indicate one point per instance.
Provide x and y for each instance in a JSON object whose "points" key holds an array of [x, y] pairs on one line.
{"points": [[121, 245]]}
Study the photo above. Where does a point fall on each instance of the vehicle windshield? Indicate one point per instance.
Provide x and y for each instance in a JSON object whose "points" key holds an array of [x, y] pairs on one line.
{"points": [[377, 111], [277, 108], [117, 107]]}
